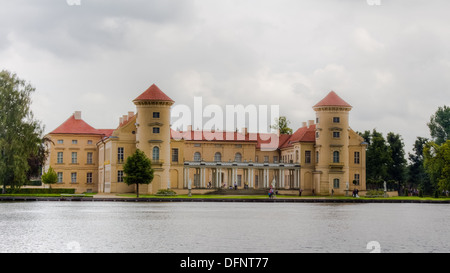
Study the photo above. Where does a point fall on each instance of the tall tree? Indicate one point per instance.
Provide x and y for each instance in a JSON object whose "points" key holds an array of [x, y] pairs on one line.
{"points": [[440, 125], [416, 171], [138, 170], [396, 171], [19, 131], [437, 164], [378, 158], [282, 124]]}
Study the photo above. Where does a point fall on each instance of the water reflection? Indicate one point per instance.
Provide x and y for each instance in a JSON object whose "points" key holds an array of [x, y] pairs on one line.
{"points": [[222, 227]]}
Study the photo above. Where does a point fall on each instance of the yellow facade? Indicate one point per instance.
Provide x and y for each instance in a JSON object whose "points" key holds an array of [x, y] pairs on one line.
{"points": [[323, 157]]}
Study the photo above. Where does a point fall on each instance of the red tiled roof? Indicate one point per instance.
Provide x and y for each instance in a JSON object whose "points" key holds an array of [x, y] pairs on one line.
{"points": [[332, 99], [304, 134], [264, 141], [79, 126], [153, 93]]}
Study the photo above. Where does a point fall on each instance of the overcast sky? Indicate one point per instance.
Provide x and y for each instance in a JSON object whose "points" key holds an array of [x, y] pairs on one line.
{"points": [[391, 61]]}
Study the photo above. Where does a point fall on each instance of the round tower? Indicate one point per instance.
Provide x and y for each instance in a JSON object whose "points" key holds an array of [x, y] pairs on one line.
{"points": [[332, 145], [153, 134]]}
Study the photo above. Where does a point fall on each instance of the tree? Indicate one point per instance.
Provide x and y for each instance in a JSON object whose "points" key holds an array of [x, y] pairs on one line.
{"points": [[19, 131], [437, 164], [378, 157], [282, 124], [396, 171], [50, 177], [138, 170], [416, 170], [440, 125]]}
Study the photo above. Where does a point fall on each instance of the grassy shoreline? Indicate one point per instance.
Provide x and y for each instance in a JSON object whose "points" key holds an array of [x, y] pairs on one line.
{"points": [[211, 197]]}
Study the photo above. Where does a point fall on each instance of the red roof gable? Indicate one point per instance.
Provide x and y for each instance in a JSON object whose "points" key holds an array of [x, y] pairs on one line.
{"points": [[304, 134], [332, 99], [153, 93], [79, 126]]}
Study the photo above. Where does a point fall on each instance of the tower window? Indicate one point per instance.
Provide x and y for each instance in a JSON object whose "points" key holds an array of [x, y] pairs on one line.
{"points": [[356, 158], [119, 176], [120, 155], [336, 183], [356, 180], [156, 130], [335, 157], [156, 115], [336, 120], [155, 153], [336, 134]]}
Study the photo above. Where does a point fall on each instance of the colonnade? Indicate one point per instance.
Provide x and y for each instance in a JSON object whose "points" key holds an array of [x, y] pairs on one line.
{"points": [[252, 176]]}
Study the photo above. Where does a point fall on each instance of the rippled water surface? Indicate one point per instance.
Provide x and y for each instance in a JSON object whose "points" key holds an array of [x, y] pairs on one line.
{"points": [[222, 227]]}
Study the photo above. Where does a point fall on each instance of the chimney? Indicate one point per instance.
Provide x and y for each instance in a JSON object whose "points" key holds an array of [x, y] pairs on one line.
{"points": [[304, 124], [130, 114], [125, 118], [189, 128], [244, 131], [120, 121], [77, 115], [310, 123]]}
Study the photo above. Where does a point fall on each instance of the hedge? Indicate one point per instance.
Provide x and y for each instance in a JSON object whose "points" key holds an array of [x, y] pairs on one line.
{"points": [[40, 191]]}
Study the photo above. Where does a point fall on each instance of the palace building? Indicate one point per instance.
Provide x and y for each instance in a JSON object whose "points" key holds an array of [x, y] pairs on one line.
{"points": [[324, 156]]}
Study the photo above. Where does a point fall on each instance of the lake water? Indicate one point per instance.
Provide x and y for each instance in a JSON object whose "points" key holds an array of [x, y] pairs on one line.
{"points": [[125, 227]]}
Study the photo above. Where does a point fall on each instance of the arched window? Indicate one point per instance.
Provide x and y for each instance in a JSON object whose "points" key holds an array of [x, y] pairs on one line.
{"points": [[336, 183], [238, 157], [335, 157], [218, 157], [155, 156], [197, 156]]}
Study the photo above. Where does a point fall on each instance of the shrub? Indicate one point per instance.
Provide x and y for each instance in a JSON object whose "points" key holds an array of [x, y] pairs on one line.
{"points": [[40, 191], [166, 192]]}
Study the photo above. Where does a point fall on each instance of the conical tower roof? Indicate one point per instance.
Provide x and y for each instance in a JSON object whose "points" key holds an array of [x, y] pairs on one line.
{"points": [[153, 93], [332, 99]]}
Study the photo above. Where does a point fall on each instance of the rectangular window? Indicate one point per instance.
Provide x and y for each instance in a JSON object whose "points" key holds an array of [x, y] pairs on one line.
{"points": [[336, 135], [74, 157], [307, 156], [60, 141], [120, 155], [73, 177], [336, 183], [174, 155], [60, 177], [317, 157], [89, 142], [256, 158], [60, 157], [275, 159], [155, 114], [336, 119], [156, 130], [89, 158], [356, 181], [89, 178], [356, 158], [119, 176], [74, 141], [266, 159], [197, 144]]}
